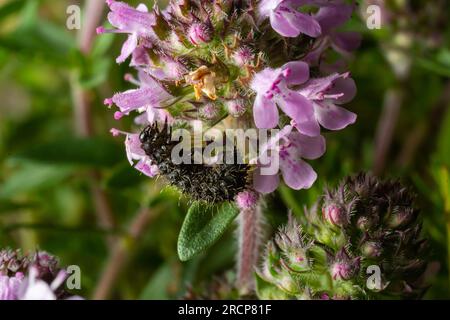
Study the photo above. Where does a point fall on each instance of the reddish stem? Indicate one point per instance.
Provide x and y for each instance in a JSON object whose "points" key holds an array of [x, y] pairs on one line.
{"points": [[249, 247]]}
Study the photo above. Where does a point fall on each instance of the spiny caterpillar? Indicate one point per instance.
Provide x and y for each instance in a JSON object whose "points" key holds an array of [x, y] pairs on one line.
{"points": [[212, 184]]}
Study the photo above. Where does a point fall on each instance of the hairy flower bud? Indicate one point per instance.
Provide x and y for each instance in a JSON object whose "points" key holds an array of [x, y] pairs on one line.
{"points": [[370, 237], [372, 249], [199, 33], [400, 219], [236, 107], [243, 56], [209, 111], [341, 271], [334, 215], [247, 200]]}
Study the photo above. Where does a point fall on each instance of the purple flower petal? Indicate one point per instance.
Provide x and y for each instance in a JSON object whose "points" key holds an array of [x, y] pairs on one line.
{"points": [[333, 15], [128, 19], [265, 183], [133, 148], [265, 113], [297, 174], [133, 99], [128, 47], [296, 72], [333, 117], [274, 141], [345, 86], [296, 106], [308, 147], [263, 80], [290, 23], [347, 41], [309, 127], [147, 169], [140, 57], [151, 93], [315, 89]]}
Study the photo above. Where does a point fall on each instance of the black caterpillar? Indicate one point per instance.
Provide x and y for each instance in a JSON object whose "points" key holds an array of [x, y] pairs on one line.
{"points": [[212, 184]]}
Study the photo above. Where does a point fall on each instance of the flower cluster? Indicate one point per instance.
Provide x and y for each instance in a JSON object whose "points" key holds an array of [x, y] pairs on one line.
{"points": [[244, 64], [35, 276], [360, 241]]}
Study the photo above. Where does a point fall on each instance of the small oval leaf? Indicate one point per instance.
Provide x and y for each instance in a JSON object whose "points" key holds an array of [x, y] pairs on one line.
{"points": [[203, 226]]}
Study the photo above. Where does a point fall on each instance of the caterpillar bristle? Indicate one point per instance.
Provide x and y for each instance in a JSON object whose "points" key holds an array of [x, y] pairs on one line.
{"points": [[212, 184]]}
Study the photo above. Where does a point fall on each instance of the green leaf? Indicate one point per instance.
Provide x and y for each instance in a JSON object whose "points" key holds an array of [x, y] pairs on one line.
{"points": [[158, 286], [96, 152], [31, 178], [203, 226], [267, 291]]}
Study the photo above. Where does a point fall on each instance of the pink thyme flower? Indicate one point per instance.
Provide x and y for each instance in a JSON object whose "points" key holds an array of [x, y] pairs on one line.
{"points": [[34, 276], [9, 286], [135, 152], [330, 17], [272, 87], [287, 149], [140, 56], [136, 22], [147, 98], [325, 94], [168, 68], [34, 288], [287, 20]]}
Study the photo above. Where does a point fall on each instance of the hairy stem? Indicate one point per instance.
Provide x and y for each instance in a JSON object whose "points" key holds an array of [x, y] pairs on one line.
{"points": [[250, 221]]}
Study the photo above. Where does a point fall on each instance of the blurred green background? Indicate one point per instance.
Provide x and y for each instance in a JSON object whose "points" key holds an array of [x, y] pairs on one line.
{"points": [[67, 188]]}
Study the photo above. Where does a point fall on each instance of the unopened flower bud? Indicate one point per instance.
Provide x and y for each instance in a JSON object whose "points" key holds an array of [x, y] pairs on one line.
{"points": [[236, 107], [400, 219], [199, 33], [334, 215], [243, 56], [341, 271], [297, 259], [344, 268], [372, 249], [209, 111], [363, 223], [247, 200]]}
